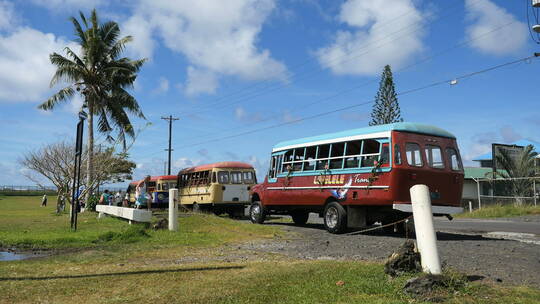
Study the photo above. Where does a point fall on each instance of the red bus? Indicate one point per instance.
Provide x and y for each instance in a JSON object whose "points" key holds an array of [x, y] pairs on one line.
{"points": [[357, 177]]}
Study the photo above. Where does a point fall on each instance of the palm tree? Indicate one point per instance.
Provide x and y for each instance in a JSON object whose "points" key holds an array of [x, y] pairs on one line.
{"points": [[101, 77], [522, 166]]}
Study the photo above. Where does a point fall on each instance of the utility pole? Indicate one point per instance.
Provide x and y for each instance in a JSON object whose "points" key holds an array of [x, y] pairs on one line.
{"points": [[170, 119]]}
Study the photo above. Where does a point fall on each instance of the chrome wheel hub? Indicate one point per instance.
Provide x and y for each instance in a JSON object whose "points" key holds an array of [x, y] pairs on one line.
{"points": [[255, 211], [331, 217]]}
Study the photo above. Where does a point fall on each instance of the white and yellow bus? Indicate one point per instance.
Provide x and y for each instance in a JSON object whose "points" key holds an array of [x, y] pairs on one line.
{"points": [[219, 187]]}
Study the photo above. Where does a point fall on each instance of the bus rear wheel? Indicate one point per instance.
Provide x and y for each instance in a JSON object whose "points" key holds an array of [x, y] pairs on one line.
{"points": [[300, 217], [257, 214], [335, 218]]}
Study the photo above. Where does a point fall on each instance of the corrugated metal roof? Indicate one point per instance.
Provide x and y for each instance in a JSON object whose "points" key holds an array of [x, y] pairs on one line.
{"points": [[399, 126], [471, 172]]}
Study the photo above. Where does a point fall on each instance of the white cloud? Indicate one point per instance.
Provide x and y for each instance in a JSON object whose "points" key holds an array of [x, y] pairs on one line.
{"points": [[289, 117], [74, 106], [240, 113], [7, 15], [26, 70], [142, 45], [163, 86], [487, 16], [216, 39], [371, 45], [200, 81]]}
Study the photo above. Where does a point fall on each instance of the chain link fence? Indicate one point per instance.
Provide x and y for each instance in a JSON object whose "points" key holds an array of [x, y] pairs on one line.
{"points": [[506, 191]]}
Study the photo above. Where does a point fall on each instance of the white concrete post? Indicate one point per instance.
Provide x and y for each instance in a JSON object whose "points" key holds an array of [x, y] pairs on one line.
{"points": [[173, 210], [534, 191], [478, 192], [425, 232], [470, 206]]}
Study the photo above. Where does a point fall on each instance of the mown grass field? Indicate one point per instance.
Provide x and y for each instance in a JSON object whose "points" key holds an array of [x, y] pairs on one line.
{"points": [[508, 210], [107, 261]]}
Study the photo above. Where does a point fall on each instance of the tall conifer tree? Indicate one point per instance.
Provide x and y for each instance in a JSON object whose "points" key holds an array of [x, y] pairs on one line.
{"points": [[386, 108]]}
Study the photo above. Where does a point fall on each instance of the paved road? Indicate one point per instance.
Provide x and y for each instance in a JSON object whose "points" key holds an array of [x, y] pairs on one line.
{"points": [[518, 225]]}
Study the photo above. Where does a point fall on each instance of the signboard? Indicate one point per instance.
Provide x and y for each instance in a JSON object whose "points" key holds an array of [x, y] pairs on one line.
{"points": [[512, 151]]}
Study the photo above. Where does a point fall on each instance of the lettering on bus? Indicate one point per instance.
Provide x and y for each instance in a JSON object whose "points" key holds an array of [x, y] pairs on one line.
{"points": [[358, 179], [329, 179]]}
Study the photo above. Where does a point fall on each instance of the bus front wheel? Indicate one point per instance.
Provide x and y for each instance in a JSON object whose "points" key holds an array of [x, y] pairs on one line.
{"points": [[257, 214], [335, 218]]}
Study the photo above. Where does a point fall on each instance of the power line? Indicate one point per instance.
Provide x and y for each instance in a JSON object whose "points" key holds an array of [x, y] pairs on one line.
{"points": [[273, 87], [458, 45], [447, 81]]}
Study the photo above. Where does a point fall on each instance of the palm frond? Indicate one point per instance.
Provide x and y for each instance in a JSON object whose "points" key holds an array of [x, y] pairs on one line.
{"points": [[109, 32], [61, 96]]}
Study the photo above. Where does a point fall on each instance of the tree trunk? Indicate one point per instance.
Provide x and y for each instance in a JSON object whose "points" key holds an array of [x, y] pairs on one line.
{"points": [[90, 162]]}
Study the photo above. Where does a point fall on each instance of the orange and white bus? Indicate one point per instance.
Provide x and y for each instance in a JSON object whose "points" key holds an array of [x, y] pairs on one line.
{"points": [[221, 187]]}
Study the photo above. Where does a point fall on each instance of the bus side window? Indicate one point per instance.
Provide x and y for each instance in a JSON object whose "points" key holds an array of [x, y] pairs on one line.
{"points": [[414, 157], [453, 159], [214, 177], [397, 155], [322, 157], [352, 158], [384, 159], [298, 159], [309, 163], [370, 152], [338, 149]]}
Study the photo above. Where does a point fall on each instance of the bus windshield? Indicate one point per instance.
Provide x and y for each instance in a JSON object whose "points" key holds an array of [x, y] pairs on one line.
{"points": [[223, 177]]}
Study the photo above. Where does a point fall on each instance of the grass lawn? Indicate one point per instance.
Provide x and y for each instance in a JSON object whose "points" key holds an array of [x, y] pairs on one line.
{"points": [[26, 225], [107, 261], [508, 210]]}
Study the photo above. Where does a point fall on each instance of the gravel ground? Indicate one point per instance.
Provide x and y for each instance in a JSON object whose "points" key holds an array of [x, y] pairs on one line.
{"points": [[500, 261]]}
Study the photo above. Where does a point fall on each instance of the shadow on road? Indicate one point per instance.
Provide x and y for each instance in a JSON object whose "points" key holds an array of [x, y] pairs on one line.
{"points": [[441, 236], [77, 276]]}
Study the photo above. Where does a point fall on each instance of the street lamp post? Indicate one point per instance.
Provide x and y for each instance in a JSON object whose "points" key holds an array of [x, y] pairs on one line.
{"points": [[77, 170]]}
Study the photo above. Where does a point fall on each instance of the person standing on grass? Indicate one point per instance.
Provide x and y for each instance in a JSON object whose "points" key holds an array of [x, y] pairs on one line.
{"points": [[105, 198], [44, 201], [141, 193], [118, 199]]}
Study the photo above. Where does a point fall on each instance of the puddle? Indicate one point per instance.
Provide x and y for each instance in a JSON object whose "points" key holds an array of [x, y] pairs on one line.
{"points": [[11, 256]]}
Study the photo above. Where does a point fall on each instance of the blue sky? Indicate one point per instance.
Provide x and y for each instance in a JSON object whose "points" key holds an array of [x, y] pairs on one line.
{"points": [[229, 69]]}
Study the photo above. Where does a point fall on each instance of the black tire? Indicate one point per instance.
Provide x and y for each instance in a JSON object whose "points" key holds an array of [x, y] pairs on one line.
{"points": [[335, 218], [257, 213], [217, 211], [300, 217]]}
